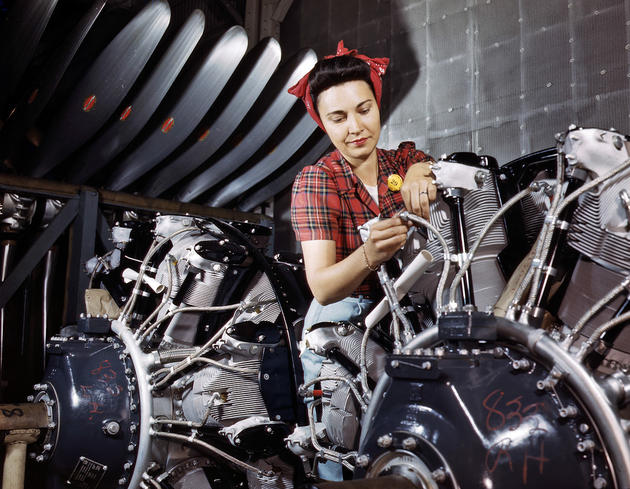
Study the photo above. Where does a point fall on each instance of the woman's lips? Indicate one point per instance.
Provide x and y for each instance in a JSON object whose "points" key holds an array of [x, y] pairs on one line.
{"points": [[359, 142]]}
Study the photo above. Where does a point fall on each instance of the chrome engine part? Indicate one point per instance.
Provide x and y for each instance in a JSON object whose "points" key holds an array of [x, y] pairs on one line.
{"points": [[477, 186], [600, 229]]}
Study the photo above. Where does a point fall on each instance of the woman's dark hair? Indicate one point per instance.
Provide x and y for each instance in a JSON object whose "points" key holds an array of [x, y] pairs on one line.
{"points": [[333, 71]]}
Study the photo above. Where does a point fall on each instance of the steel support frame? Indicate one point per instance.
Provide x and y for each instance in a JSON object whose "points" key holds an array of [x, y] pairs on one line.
{"points": [[81, 250]]}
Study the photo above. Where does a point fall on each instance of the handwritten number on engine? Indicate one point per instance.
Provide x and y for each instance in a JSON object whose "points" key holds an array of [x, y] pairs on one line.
{"points": [[541, 459], [502, 448], [516, 413], [492, 412], [497, 416]]}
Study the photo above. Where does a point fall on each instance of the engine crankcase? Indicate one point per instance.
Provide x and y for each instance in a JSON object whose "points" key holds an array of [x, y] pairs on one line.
{"points": [[486, 416]]}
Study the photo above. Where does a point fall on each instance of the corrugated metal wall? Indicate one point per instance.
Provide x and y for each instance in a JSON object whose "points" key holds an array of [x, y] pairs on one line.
{"points": [[498, 77]]}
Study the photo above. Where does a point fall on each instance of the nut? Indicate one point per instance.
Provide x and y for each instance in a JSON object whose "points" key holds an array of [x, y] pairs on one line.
{"points": [[409, 443], [384, 441]]}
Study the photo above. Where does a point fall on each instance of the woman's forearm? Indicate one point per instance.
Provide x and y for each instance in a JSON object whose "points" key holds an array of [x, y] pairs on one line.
{"points": [[335, 282]]}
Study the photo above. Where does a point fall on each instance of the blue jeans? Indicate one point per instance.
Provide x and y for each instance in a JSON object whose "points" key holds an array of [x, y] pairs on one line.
{"points": [[349, 309]]}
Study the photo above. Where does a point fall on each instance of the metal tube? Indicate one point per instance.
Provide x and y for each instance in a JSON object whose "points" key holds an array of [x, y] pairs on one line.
{"points": [[141, 362], [15, 457], [46, 288], [461, 246], [5, 266]]}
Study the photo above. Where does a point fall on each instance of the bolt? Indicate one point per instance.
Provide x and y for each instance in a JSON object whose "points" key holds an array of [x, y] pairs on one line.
{"points": [[426, 366], [237, 441], [261, 338], [363, 461], [570, 411], [584, 428], [131, 447], [384, 441], [269, 430], [132, 427], [112, 428], [47, 447], [409, 443], [395, 363], [39, 458], [52, 425], [439, 475], [122, 481], [522, 364], [266, 376], [600, 483], [342, 330], [585, 445], [127, 465], [30, 398]]}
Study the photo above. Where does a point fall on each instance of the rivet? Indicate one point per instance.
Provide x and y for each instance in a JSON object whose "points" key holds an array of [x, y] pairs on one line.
{"points": [[409, 443], [439, 475], [384, 441], [363, 461]]}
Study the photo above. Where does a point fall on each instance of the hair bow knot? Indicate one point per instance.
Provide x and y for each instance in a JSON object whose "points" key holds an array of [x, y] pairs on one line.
{"points": [[378, 66]]}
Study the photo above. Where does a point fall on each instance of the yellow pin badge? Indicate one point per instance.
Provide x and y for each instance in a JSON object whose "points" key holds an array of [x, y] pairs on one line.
{"points": [[394, 182]]}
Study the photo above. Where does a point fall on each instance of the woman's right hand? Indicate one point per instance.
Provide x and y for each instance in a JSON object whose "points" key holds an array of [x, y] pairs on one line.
{"points": [[387, 236]]}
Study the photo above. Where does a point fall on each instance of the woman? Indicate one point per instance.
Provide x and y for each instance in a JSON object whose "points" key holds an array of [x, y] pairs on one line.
{"points": [[347, 188], [350, 186]]}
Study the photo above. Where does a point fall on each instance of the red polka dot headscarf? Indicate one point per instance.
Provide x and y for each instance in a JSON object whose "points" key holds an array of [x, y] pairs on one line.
{"points": [[378, 66]]}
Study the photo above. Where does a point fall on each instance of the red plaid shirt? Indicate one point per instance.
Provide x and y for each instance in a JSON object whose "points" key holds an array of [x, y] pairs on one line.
{"points": [[329, 202]]}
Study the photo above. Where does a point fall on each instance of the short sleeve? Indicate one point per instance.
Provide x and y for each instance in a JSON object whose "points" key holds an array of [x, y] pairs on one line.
{"points": [[315, 205]]}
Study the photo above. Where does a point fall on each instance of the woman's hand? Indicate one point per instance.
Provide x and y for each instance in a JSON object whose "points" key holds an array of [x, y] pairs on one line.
{"points": [[331, 281], [418, 190], [387, 236]]}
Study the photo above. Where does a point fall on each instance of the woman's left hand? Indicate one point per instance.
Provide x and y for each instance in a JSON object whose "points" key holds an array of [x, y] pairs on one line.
{"points": [[418, 190]]}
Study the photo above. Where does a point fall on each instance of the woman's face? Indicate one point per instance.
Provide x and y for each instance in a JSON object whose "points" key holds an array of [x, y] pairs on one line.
{"points": [[352, 120]]}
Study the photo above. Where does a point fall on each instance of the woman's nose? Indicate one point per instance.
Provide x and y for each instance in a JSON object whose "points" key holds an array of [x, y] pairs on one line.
{"points": [[353, 124]]}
